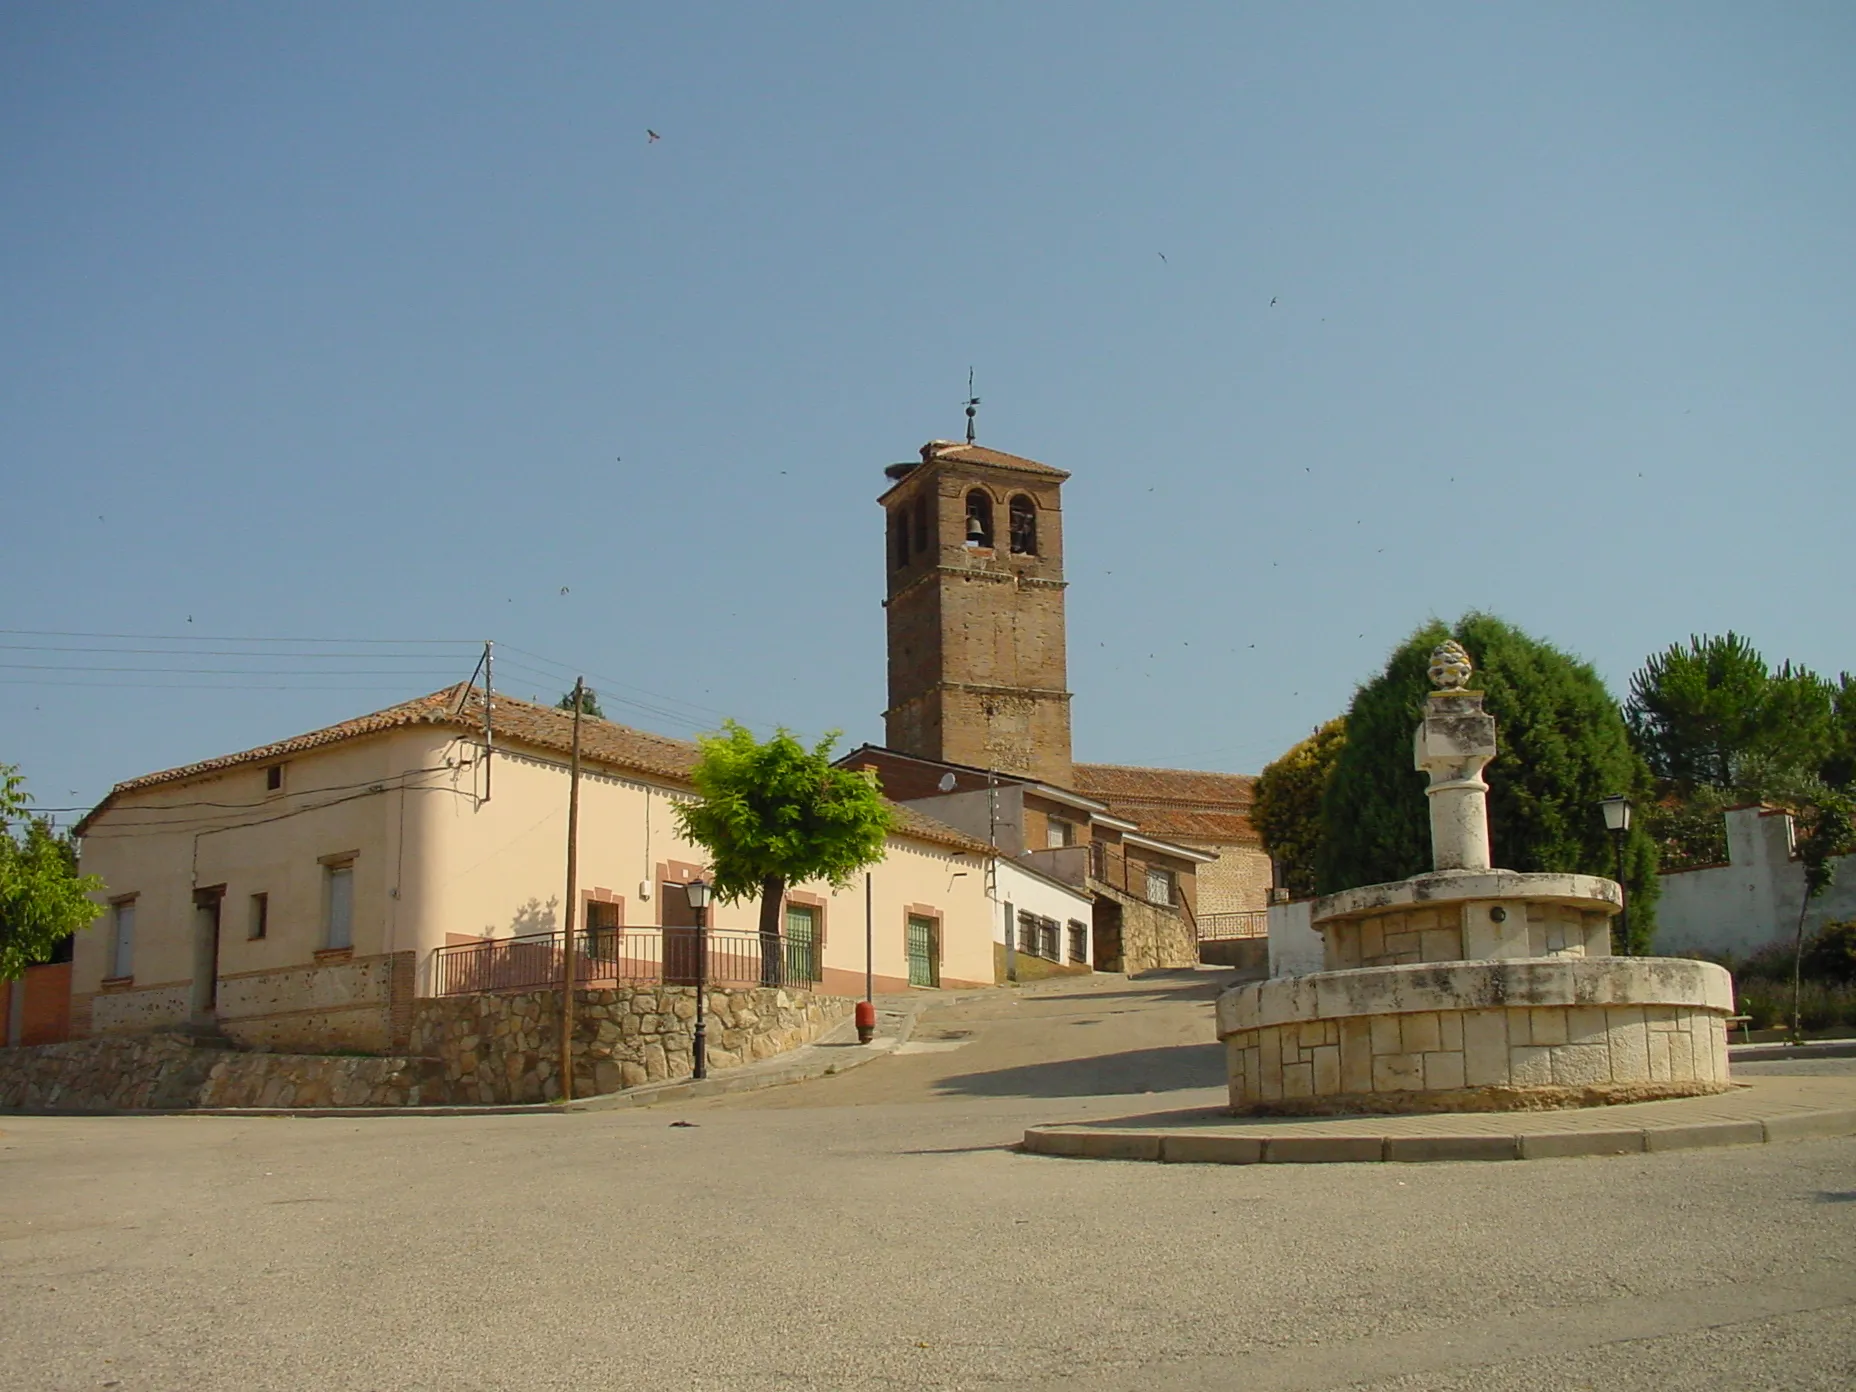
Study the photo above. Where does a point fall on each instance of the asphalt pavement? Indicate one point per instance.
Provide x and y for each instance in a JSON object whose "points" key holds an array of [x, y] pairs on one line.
{"points": [[877, 1229]]}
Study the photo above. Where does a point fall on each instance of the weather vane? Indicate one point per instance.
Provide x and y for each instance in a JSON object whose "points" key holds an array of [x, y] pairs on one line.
{"points": [[973, 405]]}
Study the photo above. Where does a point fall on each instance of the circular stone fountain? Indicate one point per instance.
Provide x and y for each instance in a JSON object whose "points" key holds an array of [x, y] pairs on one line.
{"points": [[1472, 988]]}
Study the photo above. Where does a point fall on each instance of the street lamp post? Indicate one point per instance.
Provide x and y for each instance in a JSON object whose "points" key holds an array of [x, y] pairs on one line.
{"points": [[1617, 822], [699, 892]]}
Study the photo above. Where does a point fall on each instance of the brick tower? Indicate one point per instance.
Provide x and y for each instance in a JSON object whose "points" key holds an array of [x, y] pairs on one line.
{"points": [[977, 671]]}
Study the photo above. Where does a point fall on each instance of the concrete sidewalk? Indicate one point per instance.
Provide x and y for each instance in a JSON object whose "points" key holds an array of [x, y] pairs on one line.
{"points": [[1753, 1113]]}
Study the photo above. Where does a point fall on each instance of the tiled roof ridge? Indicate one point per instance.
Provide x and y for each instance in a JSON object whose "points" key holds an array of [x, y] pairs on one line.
{"points": [[959, 452]]}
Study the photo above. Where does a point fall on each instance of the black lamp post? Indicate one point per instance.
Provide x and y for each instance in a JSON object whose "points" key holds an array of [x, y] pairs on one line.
{"points": [[1617, 822], [699, 891]]}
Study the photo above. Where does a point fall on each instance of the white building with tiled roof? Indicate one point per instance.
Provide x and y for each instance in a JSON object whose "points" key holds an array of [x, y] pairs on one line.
{"points": [[303, 893]]}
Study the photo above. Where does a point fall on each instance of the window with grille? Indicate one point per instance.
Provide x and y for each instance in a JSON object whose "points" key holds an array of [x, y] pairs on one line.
{"points": [[1159, 886], [1047, 940], [1079, 941]]}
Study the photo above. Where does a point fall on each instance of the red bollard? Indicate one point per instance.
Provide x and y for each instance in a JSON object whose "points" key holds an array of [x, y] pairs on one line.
{"points": [[866, 1022]]}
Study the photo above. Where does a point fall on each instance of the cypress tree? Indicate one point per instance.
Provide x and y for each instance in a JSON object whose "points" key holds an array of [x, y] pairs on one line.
{"points": [[1562, 746]]}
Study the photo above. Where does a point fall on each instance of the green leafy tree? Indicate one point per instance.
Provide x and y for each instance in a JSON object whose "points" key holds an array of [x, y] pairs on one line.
{"points": [[1287, 809], [589, 703], [1712, 714], [43, 900], [774, 814], [1562, 747]]}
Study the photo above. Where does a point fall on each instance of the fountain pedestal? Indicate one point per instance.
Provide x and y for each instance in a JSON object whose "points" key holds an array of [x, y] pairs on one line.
{"points": [[1472, 988]]}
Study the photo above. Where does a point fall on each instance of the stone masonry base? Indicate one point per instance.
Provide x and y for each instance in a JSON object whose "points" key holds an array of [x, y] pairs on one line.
{"points": [[1513, 1059]]}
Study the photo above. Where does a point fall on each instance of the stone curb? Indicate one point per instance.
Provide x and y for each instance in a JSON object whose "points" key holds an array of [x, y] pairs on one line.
{"points": [[749, 1079], [1769, 1053], [1236, 1148]]}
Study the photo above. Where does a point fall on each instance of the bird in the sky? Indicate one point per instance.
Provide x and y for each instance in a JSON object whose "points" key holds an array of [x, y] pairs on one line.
{"points": [[1162, 256], [651, 136], [1272, 302], [563, 589]]}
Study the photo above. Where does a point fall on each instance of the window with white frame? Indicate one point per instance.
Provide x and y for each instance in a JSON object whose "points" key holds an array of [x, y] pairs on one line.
{"points": [[1059, 833], [122, 954], [338, 902], [1159, 885]]}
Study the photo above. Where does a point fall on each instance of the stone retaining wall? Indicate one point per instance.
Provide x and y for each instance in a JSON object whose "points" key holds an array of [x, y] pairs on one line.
{"points": [[128, 1072], [505, 1048]]}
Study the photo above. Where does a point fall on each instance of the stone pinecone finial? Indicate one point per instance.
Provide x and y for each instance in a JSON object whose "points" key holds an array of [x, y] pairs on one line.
{"points": [[1450, 666]]}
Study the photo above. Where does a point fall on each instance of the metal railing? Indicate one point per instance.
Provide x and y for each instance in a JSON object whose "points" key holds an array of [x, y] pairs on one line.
{"points": [[1242, 923], [624, 957]]}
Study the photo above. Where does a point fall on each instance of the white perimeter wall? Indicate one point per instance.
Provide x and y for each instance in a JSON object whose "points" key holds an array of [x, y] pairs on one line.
{"points": [[1753, 900]]}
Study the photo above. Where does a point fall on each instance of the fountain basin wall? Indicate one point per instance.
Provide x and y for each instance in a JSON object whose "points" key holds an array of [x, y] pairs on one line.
{"points": [[1493, 1035]]}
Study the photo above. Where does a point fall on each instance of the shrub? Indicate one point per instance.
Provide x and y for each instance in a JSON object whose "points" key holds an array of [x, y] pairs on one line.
{"points": [[1821, 1005], [1830, 954]]}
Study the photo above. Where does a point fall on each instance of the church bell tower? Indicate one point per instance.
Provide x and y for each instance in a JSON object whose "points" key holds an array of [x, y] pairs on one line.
{"points": [[977, 669]]}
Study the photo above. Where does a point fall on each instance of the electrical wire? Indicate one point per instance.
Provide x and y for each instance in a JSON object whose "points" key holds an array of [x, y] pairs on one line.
{"points": [[214, 652], [225, 671], [229, 638], [378, 788], [203, 686]]}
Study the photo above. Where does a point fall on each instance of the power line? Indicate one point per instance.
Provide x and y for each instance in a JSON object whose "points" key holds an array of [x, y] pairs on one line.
{"points": [[229, 638], [210, 686], [229, 671], [607, 683], [215, 652]]}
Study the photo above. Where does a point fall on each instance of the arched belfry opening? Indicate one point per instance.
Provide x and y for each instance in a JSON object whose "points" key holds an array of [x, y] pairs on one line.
{"points": [[1023, 519], [979, 518], [924, 526]]}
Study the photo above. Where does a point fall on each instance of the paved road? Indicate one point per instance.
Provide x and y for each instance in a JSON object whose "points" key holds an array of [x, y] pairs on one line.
{"points": [[873, 1231]]}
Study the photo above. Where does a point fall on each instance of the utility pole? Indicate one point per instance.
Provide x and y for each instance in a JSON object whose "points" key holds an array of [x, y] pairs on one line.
{"points": [[489, 732], [573, 893]]}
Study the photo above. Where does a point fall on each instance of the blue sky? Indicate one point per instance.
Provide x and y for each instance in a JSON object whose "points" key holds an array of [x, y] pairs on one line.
{"points": [[387, 323]]}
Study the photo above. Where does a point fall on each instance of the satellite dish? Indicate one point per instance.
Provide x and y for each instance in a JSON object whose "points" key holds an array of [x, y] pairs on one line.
{"points": [[947, 782]]}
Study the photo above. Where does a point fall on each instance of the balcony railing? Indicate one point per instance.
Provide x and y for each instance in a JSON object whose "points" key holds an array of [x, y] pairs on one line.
{"points": [[1245, 923], [606, 958]]}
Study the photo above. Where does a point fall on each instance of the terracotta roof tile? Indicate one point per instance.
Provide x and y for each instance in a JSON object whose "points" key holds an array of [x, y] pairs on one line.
{"points": [[960, 453], [1188, 805], [518, 722]]}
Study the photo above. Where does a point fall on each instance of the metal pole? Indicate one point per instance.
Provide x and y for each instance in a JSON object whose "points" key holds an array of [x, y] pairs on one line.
{"points": [[699, 1046], [869, 940], [573, 890], [1623, 898], [489, 733]]}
